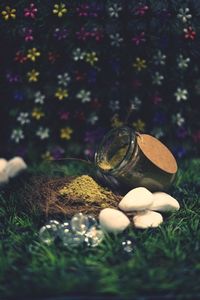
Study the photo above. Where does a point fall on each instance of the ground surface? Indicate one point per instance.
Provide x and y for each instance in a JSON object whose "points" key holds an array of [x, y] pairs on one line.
{"points": [[165, 261]]}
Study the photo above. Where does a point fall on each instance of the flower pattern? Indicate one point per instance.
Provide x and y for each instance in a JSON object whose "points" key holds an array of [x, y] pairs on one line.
{"points": [[73, 70]]}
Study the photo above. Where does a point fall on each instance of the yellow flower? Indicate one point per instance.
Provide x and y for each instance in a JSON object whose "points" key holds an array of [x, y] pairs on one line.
{"points": [[65, 133], [9, 13], [139, 125], [37, 113], [33, 53], [47, 156], [60, 9], [115, 121], [91, 58], [140, 64], [61, 93], [33, 75]]}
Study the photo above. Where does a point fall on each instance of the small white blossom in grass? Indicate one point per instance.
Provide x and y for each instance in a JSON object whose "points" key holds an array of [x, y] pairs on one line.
{"points": [[115, 39], [114, 105], [159, 58], [114, 10], [183, 62], [43, 133], [78, 54], [135, 103], [63, 79], [23, 118], [181, 94], [184, 14], [17, 135], [93, 118], [157, 78], [157, 132], [39, 97], [178, 119], [84, 95]]}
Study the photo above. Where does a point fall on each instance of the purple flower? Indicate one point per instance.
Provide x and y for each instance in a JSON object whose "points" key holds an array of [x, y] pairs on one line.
{"points": [[57, 152], [159, 118], [181, 132], [60, 33], [12, 78], [18, 96], [92, 76], [179, 151], [94, 135]]}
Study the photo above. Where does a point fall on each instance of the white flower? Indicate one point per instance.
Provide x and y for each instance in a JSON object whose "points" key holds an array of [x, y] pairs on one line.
{"points": [[159, 58], [114, 105], [178, 119], [84, 95], [78, 54], [63, 79], [114, 10], [116, 39], [93, 118], [43, 133], [157, 78], [157, 132], [23, 118], [39, 97], [183, 62], [181, 94], [184, 14], [135, 103], [17, 135]]}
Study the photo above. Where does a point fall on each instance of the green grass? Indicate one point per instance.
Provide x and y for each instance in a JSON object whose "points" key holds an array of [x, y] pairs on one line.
{"points": [[165, 261]]}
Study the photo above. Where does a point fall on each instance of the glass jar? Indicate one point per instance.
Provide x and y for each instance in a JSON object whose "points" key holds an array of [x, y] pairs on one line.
{"points": [[126, 159]]}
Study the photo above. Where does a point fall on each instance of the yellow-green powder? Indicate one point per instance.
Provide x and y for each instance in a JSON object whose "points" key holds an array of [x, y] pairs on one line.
{"points": [[86, 188]]}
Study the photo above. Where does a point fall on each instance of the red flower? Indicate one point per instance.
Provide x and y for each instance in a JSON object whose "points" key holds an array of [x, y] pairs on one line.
{"points": [[196, 137], [95, 103], [80, 116], [20, 57], [52, 57], [136, 84], [79, 76], [189, 33]]}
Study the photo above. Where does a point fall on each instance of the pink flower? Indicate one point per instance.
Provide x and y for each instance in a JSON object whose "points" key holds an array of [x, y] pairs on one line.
{"points": [[136, 83], [138, 39], [30, 11], [82, 34], [157, 99], [64, 115], [189, 33], [28, 34], [141, 10]]}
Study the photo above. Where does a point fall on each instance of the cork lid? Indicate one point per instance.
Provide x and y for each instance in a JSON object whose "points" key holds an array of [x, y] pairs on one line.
{"points": [[157, 153]]}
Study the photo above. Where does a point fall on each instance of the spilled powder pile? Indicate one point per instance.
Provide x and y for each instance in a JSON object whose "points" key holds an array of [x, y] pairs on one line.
{"points": [[67, 196], [86, 188]]}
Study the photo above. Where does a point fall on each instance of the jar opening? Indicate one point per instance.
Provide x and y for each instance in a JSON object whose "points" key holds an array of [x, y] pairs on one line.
{"points": [[114, 149]]}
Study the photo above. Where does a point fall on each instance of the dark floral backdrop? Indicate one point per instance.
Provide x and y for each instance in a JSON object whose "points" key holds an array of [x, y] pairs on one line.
{"points": [[71, 70]]}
